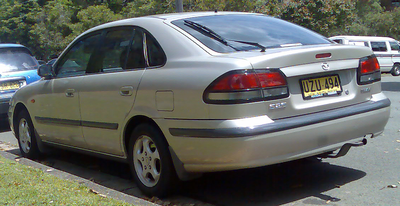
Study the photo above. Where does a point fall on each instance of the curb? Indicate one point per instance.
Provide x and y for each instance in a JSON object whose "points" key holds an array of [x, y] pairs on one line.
{"points": [[96, 188]]}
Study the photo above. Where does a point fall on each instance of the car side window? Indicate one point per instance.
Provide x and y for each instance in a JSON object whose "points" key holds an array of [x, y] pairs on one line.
{"points": [[112, 54], [75, 62], [155, 54], [378, 46], [135, 56], [394, 46]]}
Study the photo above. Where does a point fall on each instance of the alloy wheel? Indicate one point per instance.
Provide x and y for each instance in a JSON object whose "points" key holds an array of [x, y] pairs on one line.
{"points": [[25, 139], [146, 160]]}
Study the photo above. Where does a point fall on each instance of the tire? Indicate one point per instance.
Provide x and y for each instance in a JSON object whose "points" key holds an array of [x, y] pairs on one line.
{"points": [[150, 162], [26, 135], [395, 70]]}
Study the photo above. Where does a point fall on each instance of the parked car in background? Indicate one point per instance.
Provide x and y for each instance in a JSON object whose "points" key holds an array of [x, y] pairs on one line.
{"points": [[17, 68], [41, 62], [177, 95], [386, 50], [53, 59]]}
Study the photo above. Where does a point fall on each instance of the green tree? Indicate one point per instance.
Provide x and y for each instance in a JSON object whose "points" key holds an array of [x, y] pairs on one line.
{"points": [[93, 16], [219, 5], [327, 17], [373, 20], [16, 20], [52, 31], [148, 7]]}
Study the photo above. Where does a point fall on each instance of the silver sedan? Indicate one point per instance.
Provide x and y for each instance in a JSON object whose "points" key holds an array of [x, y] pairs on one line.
{"points": [[177, 95]]}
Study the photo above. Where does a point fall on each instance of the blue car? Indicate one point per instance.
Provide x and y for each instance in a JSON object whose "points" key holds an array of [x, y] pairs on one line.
{"points": [[17, 68]]}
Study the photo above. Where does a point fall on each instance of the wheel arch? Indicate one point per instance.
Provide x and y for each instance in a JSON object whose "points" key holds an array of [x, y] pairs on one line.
{"points": [[18, 108], [133, 123]]}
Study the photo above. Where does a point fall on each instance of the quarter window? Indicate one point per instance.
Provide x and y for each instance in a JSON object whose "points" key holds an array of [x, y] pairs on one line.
{"points": [[378, 46], [76, 61], [155, 54]]}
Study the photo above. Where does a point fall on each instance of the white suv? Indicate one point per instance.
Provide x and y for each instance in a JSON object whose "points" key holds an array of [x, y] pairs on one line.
{"points": [[386, 50]]}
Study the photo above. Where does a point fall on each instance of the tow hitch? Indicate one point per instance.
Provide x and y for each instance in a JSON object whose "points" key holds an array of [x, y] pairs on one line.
{"points": [[343, 151]]}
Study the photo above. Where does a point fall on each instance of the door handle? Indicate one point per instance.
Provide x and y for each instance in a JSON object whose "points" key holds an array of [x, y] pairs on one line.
{"points": [[69, 92], [126, 91]]}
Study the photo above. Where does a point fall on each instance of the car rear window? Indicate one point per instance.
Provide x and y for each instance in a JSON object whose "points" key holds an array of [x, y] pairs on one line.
{"points": [[16, 59], [235, 29]]}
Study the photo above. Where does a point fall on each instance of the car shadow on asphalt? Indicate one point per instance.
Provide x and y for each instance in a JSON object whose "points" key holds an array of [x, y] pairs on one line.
{"points": [[4, 126], [391, 86], [271, 185]]}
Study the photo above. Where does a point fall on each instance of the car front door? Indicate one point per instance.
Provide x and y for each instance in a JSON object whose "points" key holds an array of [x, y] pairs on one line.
{"points": [[110, 89], [59, 120]]}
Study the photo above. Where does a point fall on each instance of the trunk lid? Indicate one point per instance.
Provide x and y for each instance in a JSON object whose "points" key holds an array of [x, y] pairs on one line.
{"points": [[302, 66]]}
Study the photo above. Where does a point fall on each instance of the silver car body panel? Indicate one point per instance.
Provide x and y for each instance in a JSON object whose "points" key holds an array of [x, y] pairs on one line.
{"points": [[172, 96]]}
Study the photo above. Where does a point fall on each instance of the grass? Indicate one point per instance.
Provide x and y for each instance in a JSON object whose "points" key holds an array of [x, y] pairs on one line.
{"points": [[24, 185]]}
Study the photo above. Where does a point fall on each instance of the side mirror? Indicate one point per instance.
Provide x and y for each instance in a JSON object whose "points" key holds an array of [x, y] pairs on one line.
{"points": [[45, 71]]}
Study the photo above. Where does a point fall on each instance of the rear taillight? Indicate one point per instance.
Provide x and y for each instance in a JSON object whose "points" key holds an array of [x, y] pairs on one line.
{"points": [[242, 86], [368, 70]]}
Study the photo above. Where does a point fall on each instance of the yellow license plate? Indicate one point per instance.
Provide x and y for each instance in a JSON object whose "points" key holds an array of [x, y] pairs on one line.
{"points": [[321, 87], [9, 86]]}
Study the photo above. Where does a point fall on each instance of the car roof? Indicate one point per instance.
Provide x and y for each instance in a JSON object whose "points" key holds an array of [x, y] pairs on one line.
{"points": [[364, 38], [9, 45], [163, 17]]}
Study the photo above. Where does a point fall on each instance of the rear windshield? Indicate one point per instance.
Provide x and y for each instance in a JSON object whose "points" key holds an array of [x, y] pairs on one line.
{"points": [[16, 59], [269, 32]]}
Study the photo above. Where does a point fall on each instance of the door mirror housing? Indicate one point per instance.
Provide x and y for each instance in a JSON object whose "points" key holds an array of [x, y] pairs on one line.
{"points": [[46, 71]]}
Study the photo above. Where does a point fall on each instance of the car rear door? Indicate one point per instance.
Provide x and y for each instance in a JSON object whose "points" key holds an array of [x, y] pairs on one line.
{"points": [[110, 88]]}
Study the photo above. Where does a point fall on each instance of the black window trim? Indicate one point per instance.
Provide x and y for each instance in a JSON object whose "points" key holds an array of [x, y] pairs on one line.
{"points": [[146, 56], [103, 33], [75, 42]]}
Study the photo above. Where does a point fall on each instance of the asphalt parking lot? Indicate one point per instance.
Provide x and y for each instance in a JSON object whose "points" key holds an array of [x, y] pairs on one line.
{"points": [[367, 175]]}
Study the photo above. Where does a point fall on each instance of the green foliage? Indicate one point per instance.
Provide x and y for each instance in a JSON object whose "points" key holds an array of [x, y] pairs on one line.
{"points": [[219, 5], [93, 16], [373, 20], [16, 20], [270, 7], [323, 16], [148, 7], [52, 30]]}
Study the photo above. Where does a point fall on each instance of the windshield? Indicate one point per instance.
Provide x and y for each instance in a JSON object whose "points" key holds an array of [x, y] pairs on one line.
{"points": [[242, 30], [16, 59]]}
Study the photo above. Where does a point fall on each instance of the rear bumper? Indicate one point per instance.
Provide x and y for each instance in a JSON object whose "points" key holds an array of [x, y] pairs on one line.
{"points": [[218, 145]]}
